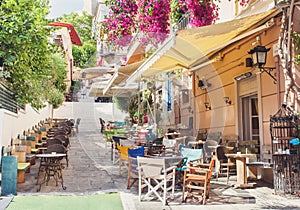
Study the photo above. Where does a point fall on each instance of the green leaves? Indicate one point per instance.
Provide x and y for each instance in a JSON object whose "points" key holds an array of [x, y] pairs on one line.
{"points": [[29, 68], [296, 42], [83, 24]]}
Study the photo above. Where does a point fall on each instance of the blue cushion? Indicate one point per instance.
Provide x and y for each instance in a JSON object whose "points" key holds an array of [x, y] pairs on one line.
{"points": [[136, 152], [188, 155], [294, 141]]}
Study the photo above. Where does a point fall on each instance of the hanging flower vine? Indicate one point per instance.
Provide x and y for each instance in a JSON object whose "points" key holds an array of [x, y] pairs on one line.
{"points": [[119, 25], [153, 17], [202, 13], [153, 20]]}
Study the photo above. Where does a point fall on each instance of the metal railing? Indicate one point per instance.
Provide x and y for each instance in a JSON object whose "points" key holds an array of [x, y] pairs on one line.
{"points": [[182, 23], [8, 100]]}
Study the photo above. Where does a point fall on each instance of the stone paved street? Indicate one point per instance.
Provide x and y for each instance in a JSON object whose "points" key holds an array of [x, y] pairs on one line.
{"points": [[91, 171]]}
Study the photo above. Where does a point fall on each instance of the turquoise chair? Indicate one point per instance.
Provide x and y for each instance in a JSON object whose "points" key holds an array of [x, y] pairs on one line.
{"points": [[189, 157]]}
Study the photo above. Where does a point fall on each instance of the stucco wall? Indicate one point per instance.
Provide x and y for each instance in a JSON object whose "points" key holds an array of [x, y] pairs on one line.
{"points": [[12, 124], [220, 75]]}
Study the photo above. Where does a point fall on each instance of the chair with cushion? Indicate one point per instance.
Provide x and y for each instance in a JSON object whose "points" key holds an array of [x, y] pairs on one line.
{"points": [[190, 157], [196, 181], [132, 165], [114, 150], [155, 177], [123, 157]]}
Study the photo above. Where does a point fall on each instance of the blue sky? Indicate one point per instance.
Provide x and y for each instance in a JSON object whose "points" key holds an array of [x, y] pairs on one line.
{"points": [[59, 7]]}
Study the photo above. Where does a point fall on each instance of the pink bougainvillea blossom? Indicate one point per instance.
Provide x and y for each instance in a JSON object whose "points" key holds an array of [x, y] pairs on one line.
{"points": [[151, 18], [120, 22]]}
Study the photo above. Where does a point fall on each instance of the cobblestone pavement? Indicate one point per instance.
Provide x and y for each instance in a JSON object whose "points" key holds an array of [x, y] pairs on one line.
{"points": [[91, 171]]}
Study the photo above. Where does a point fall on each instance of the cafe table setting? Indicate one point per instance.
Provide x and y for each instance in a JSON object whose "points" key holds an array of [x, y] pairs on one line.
{"points": [[241, 169]]}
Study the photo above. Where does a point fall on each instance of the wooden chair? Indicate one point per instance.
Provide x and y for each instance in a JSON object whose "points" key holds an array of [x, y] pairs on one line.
{"points": [[197, 181], [133, 173], [154, 175], [223, 163], [123, 158]]}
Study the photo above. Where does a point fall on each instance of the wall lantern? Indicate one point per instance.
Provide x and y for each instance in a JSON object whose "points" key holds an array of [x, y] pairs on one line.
{"points": [[227, 100], [207, 106], [259, 57], [203, 84]]}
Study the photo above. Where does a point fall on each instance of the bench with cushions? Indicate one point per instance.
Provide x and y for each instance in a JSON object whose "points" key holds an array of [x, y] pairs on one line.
{"points": [[22, 166], [20, 152]]}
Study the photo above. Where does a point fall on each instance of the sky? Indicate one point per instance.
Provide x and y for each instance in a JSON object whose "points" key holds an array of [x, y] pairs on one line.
{"points": [[59, 7]]}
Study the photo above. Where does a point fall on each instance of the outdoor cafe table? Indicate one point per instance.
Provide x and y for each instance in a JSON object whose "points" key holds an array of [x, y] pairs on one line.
{"points": [[51, 166], [241, 169]]}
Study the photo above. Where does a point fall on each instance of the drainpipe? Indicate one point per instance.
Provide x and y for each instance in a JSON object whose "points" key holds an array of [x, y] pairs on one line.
{"points": [[71, 70], [277, 67]]}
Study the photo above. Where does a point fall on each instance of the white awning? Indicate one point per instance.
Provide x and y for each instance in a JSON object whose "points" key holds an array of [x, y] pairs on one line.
{"points": [[97, 71], [122, 74]]}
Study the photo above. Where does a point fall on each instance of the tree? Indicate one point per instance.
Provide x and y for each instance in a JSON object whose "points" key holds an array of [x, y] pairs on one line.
{"points": [[85, 55], [26, 51], [122, 103], [289, 37]]}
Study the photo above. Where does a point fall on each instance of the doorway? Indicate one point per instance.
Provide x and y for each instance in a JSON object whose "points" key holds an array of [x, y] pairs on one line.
{"points": [[250, 118]]}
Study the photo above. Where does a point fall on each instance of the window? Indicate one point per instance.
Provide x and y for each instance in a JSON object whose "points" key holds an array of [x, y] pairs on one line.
{"points": [[250, 118], [185, 97]]}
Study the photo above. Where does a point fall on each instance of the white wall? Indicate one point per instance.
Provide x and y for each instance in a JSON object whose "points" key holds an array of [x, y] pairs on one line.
{"points": [[12, 124], [226, 11]]}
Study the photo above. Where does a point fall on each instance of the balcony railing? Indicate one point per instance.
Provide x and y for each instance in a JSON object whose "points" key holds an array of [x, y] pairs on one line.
{"points": [[8, 99], [106, 49]]}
